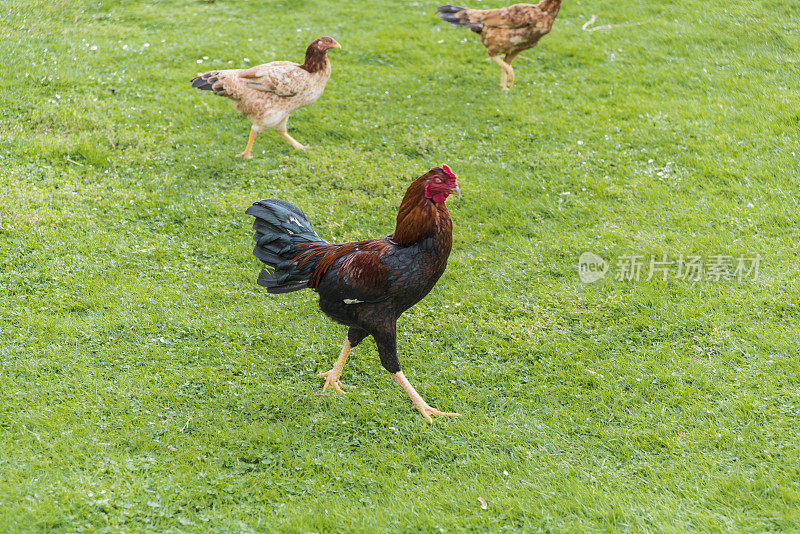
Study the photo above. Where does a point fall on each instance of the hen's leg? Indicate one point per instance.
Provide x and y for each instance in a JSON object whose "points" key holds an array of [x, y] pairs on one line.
{"points": [[281, 129], [419, 403], [246, 154], [292, 141], [508, 59], [508, 72], [332, 377]]}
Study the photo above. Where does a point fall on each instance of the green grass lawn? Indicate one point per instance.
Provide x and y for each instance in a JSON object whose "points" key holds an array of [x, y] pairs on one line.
{"points": [[148, 384]]}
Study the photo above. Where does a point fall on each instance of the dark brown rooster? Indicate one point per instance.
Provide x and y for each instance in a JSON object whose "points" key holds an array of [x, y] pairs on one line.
{"points": [[364, 285], [508, 30]]}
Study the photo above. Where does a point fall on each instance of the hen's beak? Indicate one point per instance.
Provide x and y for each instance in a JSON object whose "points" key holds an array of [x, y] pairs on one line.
{"points": [[457, 191], [335, 44]]}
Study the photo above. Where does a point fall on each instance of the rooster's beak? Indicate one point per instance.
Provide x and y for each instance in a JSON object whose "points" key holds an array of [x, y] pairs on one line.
{"points": [[457, 191]]}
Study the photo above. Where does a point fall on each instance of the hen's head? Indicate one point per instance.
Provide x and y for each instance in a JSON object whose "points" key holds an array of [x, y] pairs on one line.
{"points": [[323, 44], [440, 182]]}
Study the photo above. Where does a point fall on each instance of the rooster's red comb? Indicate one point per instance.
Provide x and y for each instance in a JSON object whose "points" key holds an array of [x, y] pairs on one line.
{"points": [[447, 172]]}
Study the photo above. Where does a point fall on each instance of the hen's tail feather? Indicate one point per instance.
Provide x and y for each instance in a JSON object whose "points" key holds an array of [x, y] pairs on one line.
{"points": [[450, 9], [459, 16], [282, 233], [210, 81]]}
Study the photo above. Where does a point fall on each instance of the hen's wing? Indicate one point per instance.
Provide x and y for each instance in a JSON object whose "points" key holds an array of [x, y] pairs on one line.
{"points": [[516, 16], [282, 78]]}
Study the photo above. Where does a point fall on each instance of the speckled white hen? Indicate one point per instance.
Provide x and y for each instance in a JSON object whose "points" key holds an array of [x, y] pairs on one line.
{"points": [[267, 94]]}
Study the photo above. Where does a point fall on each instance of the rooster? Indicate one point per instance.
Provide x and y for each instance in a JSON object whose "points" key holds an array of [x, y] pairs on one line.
{"points": [[267, 94], [508, 30], [364, 285]]}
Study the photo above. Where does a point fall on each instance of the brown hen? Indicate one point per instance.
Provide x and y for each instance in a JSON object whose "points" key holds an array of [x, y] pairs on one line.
{"points": [[267, 94], [508, 30]]}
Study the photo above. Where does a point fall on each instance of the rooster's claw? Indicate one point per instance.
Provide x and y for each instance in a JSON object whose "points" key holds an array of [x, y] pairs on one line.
{"points": [[333, 381]]}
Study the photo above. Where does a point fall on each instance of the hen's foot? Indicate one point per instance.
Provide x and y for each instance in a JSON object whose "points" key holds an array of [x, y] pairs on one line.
{"points": [[507, 80], [246, 153], [292, 141], [507, 75], [332, 380]]}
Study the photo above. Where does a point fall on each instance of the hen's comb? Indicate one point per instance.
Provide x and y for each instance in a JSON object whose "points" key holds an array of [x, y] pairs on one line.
{"points": [[447, 172]]}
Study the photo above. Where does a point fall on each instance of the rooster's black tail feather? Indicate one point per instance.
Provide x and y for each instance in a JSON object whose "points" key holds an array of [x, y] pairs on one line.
{"points": [[282, 233]]}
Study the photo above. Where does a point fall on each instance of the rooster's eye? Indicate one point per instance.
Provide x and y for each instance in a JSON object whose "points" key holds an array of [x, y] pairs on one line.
{"points": [[438, 180]]}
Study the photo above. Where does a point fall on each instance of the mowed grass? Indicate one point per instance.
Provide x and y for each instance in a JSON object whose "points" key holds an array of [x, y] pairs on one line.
{"points": [[149, 385]]}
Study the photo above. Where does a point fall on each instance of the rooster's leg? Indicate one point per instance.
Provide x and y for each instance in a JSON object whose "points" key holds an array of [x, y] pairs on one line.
{"points": [[508, 72], [246, 153], [419, 403], [332, 377]]}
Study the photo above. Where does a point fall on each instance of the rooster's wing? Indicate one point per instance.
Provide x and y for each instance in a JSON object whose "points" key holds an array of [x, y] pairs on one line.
{"points": [[352, 272]]}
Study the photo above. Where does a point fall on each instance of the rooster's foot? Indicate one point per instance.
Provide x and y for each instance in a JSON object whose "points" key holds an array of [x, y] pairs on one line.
{"points": [[427, 411], [419, 403], [332, 380]]}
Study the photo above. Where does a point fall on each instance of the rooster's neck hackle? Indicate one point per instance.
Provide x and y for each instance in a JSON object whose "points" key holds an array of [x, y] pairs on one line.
{"points": [[418, 216]]}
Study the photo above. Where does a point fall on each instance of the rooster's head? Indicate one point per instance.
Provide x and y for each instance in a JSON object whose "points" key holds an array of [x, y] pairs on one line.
{"points": [[440, 183]]}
